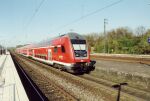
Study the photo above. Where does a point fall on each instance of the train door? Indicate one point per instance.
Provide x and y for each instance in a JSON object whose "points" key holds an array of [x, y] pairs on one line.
{"points": [[33, 53], [49, 54]]}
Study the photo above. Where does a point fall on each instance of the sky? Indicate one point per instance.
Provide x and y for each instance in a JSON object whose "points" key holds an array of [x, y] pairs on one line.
{"points": [[31, 21]]}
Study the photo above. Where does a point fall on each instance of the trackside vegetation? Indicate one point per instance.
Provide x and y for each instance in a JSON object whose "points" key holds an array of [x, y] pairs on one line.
{"points": [[121, 40]]}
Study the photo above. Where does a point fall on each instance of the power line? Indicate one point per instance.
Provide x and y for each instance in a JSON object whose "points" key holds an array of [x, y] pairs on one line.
{"points": [[35, 12], [89, 14]]}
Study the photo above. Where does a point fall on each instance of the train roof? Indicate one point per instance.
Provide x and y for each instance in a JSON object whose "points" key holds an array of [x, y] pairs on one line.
{"points": [[46, 43], [73, 35]]}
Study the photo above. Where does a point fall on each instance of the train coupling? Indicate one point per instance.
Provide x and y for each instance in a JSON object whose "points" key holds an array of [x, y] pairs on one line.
{"points": [[92, 64]]}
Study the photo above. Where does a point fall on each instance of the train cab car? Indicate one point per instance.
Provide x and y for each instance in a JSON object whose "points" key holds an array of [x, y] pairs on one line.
{"points": [[67, 52]]}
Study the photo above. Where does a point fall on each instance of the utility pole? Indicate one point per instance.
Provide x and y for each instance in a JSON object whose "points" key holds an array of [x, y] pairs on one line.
{"points": [[105, 22]]}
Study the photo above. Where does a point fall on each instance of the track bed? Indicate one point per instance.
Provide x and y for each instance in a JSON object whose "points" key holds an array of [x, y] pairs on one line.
{"points": [[71, 87]]}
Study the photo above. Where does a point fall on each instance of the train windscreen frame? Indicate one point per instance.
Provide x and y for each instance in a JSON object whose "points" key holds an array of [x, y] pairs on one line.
{"points": [[80, 48]]}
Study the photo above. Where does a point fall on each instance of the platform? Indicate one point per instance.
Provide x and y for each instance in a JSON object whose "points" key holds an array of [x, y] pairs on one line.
{"points": [[11, 88]]}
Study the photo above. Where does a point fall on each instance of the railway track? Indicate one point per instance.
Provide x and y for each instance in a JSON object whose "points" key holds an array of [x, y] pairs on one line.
{"points": [[128, 89], [123, 59], [80, 88], [32, 90], [48, 88]]}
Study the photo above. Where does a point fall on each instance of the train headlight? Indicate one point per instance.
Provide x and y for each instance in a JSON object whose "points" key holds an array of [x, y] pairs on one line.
{"points": [[77, 55], [85, 55]]}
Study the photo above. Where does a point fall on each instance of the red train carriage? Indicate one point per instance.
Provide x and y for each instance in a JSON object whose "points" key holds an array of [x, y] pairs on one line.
{"points": [[68, 52]]}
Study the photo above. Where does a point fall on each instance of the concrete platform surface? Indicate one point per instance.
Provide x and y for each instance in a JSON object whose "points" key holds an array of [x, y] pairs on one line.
{"points": [[2, 60], [11, 88]]}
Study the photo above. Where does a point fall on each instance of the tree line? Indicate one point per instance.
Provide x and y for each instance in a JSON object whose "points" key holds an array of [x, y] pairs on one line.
{"points": [[120, 41]]}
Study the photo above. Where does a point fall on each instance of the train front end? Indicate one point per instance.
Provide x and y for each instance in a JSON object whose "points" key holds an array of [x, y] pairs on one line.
{"points": [[81, 54]]}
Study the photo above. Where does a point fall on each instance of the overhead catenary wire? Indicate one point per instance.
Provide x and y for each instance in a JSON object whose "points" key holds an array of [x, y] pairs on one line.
{"points": [[89, 14], [35, 12], [74, 21]]}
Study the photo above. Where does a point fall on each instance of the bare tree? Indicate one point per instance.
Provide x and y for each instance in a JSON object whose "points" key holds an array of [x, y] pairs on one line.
{"points": [[140, 30]]}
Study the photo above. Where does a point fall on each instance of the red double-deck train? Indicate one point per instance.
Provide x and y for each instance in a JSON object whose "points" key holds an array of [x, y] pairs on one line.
{"points": [[67, 52]]}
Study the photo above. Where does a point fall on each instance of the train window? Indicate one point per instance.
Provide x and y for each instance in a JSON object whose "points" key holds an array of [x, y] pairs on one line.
{"points": [[82, 46], [55, 49], [75, 41], [63, 49]]}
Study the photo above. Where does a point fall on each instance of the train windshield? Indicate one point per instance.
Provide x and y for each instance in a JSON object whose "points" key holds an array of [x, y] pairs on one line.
{"points": [[78, 44], [79, 47]]}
